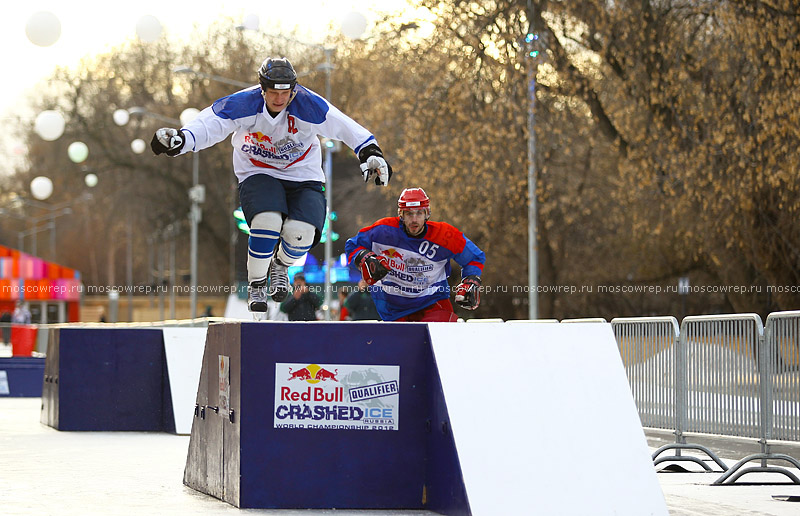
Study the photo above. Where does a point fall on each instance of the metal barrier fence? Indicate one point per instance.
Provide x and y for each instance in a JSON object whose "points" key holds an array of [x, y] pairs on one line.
{"points": [[782, 336], [647, 346], [719, 374], [718, 357]]}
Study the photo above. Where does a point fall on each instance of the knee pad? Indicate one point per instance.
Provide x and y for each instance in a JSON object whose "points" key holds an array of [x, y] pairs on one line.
{"points": [[265, 230], [297, 237]]}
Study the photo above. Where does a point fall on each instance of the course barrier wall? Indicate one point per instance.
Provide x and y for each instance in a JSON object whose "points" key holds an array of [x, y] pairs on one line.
{"points": [[21, 377], [456, 419], [117, 378]]}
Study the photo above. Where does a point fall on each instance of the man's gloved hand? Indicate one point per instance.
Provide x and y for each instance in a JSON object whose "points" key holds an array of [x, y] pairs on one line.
{"points": [[468, 292], [372, 162], [373, 267], [167, 140]]}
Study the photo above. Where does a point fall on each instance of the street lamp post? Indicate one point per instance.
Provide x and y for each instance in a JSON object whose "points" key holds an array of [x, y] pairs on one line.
{"points": [[328, 67], [183, 69], [533, 281], [196, 196]]}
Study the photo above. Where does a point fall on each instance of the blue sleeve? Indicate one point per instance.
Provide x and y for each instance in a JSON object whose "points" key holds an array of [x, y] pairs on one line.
{"points": [[354, 245], [471, 259]]}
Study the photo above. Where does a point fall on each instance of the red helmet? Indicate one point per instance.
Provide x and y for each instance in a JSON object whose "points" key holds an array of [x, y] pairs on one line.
{"points": [[413, 199]]}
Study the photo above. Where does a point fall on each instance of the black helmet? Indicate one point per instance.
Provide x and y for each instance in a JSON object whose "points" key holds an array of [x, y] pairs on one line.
{"points": [[277, 73]]}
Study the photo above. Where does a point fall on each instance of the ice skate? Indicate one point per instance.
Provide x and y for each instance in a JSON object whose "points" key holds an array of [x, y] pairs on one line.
{"points": [[278, 281], [257, 298]]}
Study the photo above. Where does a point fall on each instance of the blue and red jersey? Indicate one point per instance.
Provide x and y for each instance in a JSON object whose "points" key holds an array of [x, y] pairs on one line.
{"points": [[419, 266]]}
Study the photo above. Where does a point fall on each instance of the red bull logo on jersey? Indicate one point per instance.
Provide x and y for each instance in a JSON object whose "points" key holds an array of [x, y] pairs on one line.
{"points": [[257, 137], [336, 396], [392, 253], [395, 259]]}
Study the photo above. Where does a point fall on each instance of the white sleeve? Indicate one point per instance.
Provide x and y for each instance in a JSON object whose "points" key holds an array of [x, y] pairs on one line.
{"points": [[206, 130]]}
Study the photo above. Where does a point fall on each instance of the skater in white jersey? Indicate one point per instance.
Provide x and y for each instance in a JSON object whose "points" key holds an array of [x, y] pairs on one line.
{"points": [[278, 162]]}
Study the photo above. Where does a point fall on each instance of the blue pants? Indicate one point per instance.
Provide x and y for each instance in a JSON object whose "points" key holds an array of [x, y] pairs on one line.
{"points": [[304, 200]]}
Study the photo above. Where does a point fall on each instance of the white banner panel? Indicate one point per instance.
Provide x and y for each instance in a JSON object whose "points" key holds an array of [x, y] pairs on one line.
{"points": [[544, 421], [337, 396]]}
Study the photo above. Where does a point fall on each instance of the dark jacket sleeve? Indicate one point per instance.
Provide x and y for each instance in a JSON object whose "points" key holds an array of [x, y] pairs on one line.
{"points": [[288, 305]]}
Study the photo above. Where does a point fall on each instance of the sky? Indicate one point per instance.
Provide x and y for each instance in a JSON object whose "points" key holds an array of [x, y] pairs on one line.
{"points": [[91, 27]]}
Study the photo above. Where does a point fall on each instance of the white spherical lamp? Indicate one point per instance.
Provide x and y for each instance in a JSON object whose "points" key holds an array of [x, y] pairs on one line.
{"points": [[41, 187], [138, 146], [189, 114], [90, 180], [148, 28], [251, 22], [121, 117], [77, 152], [43, 28], [49, 125], [354, 24]]}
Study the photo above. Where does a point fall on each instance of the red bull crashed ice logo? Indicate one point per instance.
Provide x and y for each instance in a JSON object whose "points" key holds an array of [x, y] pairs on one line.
{"points": [[337, 397]]}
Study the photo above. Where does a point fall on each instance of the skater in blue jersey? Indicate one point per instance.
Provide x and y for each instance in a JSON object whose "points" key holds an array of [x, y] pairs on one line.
{"points": [[406, 260]]}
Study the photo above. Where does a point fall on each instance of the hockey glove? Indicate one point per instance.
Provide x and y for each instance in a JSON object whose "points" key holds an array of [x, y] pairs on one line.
{"points": [[372, 162], [468, 293], [167, 140], [373, 267]]}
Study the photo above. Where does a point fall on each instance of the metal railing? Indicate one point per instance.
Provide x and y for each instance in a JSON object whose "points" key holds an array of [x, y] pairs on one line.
{"points": [[782, 416], [647, 346], [720, 374]]}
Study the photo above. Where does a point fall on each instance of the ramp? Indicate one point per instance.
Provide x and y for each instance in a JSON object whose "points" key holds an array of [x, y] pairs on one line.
{"points": [[457, 419], [280, 421], [121, 379], [21, 377], [102, 379]]}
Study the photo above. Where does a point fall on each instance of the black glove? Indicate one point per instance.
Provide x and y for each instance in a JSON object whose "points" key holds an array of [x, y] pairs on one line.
{"points": [[373, 267], [167, 140], [373, 162], [468, 292]]}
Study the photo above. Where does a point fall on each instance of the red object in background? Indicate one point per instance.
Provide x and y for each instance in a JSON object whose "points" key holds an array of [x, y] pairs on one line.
{"points": [[23, 340]]}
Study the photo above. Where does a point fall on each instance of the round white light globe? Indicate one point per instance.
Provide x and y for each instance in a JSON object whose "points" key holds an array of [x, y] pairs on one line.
{"points": [[90, 180], [49, 125], [189, 114], [138, 146], [148, 28], [41, 187], [121, 117], [251, 22], [43, 28], [354, 24], [78, 152]]}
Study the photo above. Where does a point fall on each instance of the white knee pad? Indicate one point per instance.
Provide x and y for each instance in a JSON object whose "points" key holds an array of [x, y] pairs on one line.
{"points": [[268, 220], [296, 240], [265, 232]]}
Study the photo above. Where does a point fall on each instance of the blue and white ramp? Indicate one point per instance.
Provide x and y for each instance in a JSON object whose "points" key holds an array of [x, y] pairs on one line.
{"points": [[457, 419]]}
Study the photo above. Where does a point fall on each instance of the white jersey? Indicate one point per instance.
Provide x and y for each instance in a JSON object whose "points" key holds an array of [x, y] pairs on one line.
{"points": [[285, 147]]}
